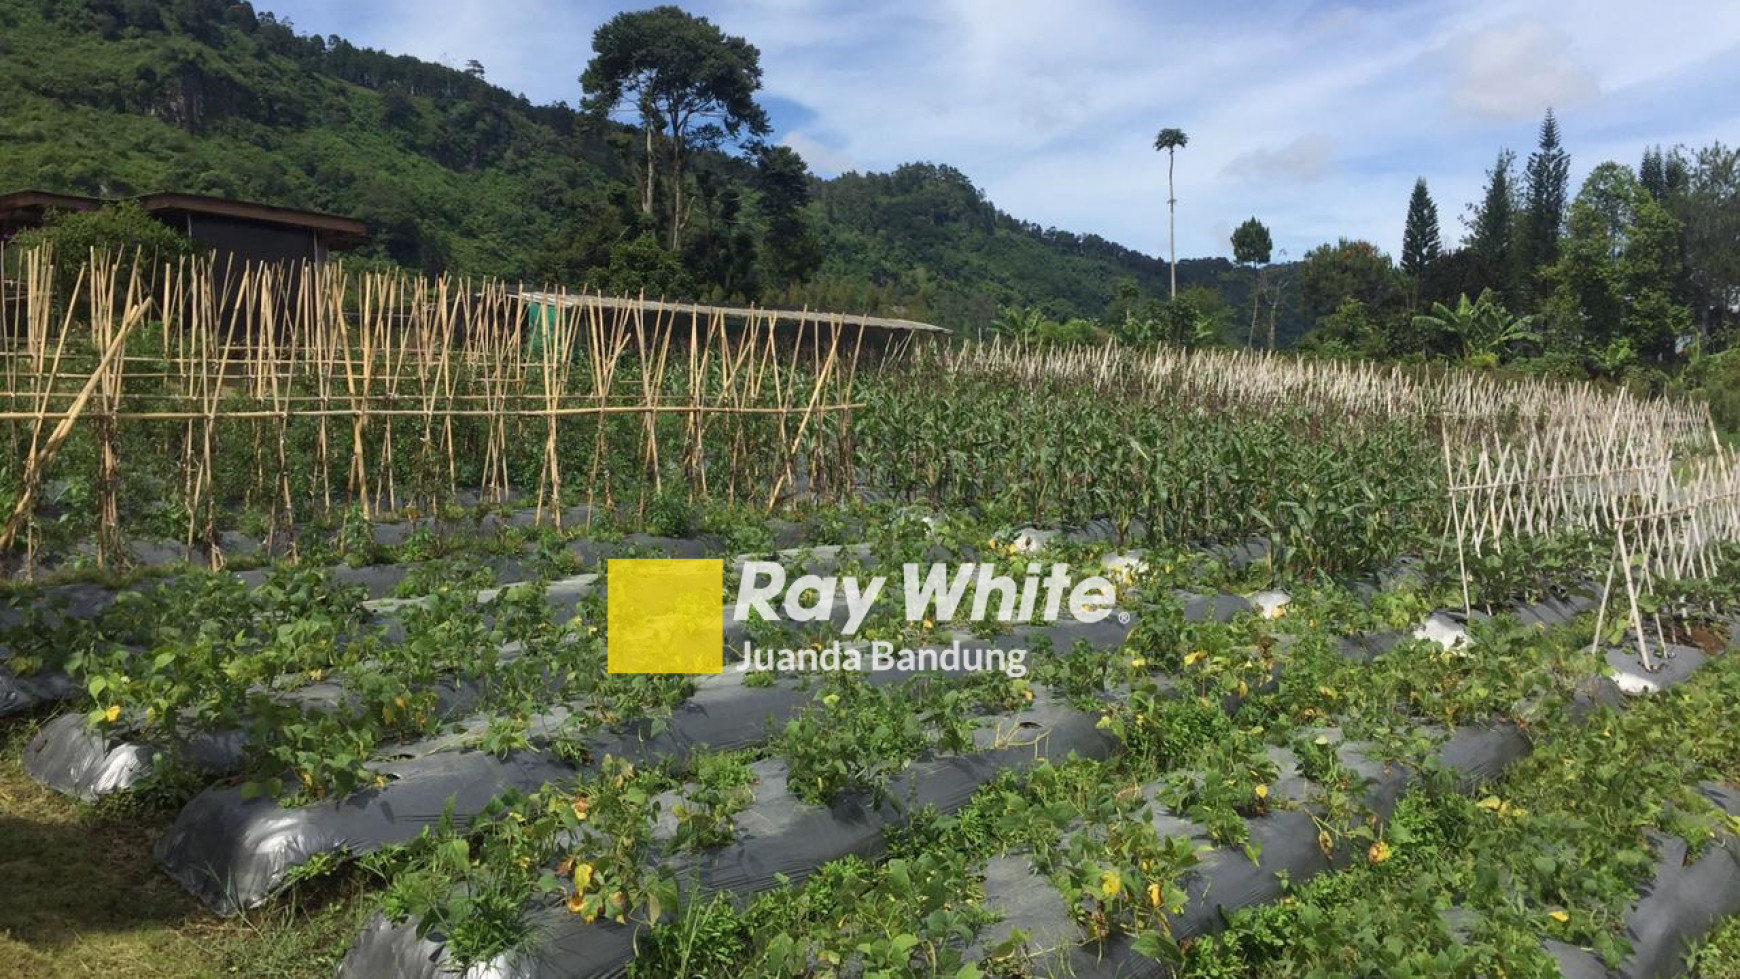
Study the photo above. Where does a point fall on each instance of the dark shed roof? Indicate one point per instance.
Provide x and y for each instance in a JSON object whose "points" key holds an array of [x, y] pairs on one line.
{"points": [[26, 208]]}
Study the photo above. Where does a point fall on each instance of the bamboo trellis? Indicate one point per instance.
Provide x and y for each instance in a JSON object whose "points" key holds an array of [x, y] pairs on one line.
{"points": [[1521, 458], [1464, 404], [1657, 481], [1679, 517], [301, 390]]}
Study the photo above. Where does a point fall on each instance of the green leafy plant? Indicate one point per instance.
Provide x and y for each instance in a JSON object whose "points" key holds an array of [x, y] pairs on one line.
{"points": [[721, 785]]}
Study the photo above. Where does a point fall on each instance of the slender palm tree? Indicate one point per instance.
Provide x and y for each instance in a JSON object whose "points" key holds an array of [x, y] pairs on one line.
{"points": [[1170, 141]]}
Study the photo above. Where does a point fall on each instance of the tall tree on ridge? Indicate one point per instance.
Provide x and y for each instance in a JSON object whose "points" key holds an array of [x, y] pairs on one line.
{"points": [[1253, 246], [791, 248], [1492, 231], [1170, 141], [689, 80], [1546, 180]]}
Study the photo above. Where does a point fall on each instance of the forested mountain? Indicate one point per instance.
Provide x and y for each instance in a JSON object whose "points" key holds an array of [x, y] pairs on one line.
{"points": [[925, 235], [450, 172]]}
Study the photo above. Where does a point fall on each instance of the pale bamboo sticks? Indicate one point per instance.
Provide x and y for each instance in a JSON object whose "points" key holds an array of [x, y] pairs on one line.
{"points": [[253, 373]]}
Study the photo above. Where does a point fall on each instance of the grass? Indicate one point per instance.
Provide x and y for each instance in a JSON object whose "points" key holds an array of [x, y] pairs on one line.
{"points": [[83, 896]]}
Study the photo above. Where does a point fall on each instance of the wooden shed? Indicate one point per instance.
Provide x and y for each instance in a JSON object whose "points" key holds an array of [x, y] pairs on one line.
{"points": [[238, 230]]}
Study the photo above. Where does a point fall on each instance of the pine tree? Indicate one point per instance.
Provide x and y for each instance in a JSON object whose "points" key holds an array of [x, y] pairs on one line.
{"points": [[1548, 176], [1662, 174], [1492, 231], [1420, 243], [1652, 172]]}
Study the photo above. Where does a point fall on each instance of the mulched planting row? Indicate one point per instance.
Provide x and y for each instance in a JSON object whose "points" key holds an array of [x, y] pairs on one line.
{"points": [[213, 848]]}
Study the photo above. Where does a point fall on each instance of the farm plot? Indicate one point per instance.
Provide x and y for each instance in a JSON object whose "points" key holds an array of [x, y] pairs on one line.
{"points": [[1438, 653]]}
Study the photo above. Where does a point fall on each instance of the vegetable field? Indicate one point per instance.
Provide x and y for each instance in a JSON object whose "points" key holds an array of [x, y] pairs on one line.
{"points": [[1411, 674]]}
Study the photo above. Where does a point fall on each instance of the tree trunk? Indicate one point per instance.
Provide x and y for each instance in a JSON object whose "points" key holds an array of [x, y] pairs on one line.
{"points": [[1171, 225], [676, 182], [1256, 302], [646, 197], [1274, 307]]}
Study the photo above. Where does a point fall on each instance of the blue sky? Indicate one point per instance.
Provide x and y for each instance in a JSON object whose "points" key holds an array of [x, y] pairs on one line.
{"points": [[1314, 116]]}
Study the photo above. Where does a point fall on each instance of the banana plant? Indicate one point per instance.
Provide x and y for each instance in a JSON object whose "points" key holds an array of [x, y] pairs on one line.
{"points": [[1485, 328]]}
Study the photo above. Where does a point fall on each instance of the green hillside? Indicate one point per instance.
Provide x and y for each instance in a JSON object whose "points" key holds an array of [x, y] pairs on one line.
{"points": [[450, 172], [925, 235]]}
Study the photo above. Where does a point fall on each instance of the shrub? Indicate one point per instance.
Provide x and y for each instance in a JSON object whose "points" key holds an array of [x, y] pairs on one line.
{"points": [[117, 226], [1716, 379]]}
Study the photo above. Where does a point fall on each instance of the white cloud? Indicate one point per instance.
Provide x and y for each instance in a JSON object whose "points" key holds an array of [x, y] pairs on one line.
{"points": [[822, 158], [1303, 160], [1512, 72]]}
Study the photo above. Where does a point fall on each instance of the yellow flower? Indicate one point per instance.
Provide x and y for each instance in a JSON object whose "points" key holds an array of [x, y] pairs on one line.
{"points": [[1154, 895], [113, 713], [576, 903], [1559, 916], [928, 624], [1138, 662], [1111, 883], [1379, 852], [1262, 791]]}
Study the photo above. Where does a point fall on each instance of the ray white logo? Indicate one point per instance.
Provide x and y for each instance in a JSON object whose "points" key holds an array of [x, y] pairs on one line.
{"points": [[935, 594]]}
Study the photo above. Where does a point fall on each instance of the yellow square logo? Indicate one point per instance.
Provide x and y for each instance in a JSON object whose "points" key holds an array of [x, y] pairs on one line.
{"points": [[666, 615]]}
